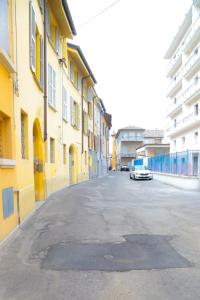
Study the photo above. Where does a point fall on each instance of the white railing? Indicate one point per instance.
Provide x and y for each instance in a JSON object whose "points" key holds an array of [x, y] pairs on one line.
{"points": [[174, 60], [191, 61], [192, 31], [185, 122], [191, 90], [174, 81], [174, 106]]}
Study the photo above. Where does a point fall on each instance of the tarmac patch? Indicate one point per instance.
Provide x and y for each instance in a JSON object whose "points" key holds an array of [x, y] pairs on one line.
{"points": [[137, 252]]}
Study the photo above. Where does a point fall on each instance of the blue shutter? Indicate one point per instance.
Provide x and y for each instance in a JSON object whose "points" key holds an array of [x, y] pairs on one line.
{"points": [[72, 111], [71, 72], [48, 22], [79, 81], [79, 117], [8, 202], [4, 26], [57, 41], [41, 62], [32, 29]]}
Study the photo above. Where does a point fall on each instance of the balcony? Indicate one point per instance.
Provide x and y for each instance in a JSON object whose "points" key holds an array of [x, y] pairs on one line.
{"points": [[132, 138], [175, 85], [174, 64], [175, 108], [185, 124], [129, 154], [191, 93], [192, 37], [192, 65]]}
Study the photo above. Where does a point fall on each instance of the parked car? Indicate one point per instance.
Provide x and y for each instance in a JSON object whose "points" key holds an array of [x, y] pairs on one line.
{"points": [[124, 168], [140, 172]]}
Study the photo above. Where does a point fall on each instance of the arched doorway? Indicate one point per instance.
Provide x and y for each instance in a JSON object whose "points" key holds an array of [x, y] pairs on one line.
{"points": [[72, 165], [38, 162]]}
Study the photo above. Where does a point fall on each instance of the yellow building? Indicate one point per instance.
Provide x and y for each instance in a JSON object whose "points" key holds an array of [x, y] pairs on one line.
{"points": [[47, 127], [8, 197]]}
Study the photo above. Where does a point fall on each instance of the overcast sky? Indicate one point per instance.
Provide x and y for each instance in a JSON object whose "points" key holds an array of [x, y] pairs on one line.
{"points": [[125, 48]]}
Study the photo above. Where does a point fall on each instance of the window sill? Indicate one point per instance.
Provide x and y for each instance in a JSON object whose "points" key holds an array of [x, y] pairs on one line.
{"points": [[6, 62], [52, 107], [7, 163]]}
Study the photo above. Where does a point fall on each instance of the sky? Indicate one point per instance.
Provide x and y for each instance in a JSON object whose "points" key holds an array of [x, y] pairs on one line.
{"points": [[125, 49]]}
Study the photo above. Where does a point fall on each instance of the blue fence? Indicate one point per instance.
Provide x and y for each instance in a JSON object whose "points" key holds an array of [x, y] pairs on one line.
{"points": [[181, 163]]}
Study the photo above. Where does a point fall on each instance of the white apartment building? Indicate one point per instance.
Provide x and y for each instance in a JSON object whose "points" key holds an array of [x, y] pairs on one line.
{"points": [[183, 91]]}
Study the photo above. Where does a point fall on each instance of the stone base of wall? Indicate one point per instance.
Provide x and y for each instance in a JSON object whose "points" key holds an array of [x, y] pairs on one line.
{"points": [[183, 182]]}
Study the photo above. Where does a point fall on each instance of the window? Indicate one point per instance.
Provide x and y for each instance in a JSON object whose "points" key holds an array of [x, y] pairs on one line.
{"points": [[90, 109], [90, 140], [174, 144], [196, 109], [76, 79], [75, 113], [36, 49], [85, 157], [196, 51], [175, 123], [4, 26], [24, 135], [196, 137], [5, 136], [85, 121], [183, 141], [71, 72], [64, 154], [196, 79], [52, 151], [64, 102], [51, 86], [175, 100], [8, 202], [57, 46]]}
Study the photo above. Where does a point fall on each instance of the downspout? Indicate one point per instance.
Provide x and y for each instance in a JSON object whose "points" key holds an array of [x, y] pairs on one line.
{"points": [[45, 72], [82, 112]]}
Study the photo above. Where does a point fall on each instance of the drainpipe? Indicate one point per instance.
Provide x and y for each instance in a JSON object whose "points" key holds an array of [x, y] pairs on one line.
{"points": [[82, 112], [45, 72]]}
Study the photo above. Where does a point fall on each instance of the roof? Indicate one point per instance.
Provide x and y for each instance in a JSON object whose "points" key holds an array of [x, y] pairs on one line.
{"points": [[154, 133], [69, 16], [131, 128], [78, 49]]}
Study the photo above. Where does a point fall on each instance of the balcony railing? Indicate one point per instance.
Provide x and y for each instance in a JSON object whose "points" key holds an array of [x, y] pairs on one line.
{"points": [[175, 84], [185, 123], [132, 139], [130, 154], [175, 63], [192, 36], [192, 64], [175, 107], [192, 92]]}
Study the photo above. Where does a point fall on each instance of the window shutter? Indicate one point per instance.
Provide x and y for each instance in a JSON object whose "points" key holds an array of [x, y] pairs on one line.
{"points": [[49, 85], [57, 41], [89, 94], [79, 117], [79, 81], [54, 88], [41, 5], [64, 101], [41, 62], [4, 26], [48, 21], [72, 110], [71, 72], [32, 27]]}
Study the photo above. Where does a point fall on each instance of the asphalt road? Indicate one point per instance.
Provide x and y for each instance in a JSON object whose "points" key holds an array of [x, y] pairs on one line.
{"points": [[107, 239]]}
